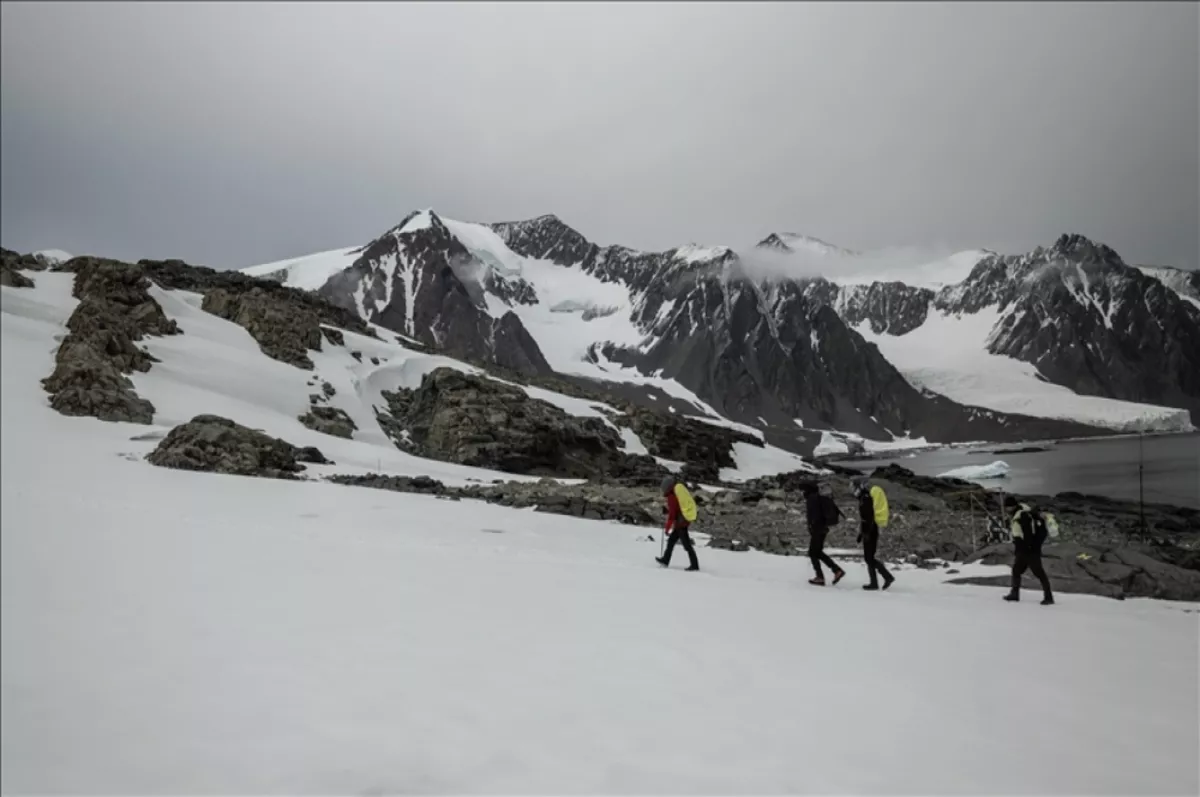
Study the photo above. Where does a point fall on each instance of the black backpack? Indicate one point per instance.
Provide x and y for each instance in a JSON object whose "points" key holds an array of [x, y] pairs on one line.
{"points": [[1040, 532], [830, 511]]}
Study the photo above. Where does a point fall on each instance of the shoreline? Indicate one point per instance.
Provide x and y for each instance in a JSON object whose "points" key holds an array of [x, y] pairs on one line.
{"points": [[889, 455]]}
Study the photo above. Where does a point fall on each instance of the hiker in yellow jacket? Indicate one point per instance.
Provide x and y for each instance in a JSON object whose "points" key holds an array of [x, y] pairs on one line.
{"points": [[681, 513], [873, 516]]}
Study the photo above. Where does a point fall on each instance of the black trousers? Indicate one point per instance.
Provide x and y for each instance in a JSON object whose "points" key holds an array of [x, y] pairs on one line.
{"points": [[816, 552], [680, 535], [1029, 557], [870, 539]]}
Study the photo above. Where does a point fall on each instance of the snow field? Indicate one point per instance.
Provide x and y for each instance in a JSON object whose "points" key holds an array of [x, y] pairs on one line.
{"points": [[178, 633], [174, 632]]}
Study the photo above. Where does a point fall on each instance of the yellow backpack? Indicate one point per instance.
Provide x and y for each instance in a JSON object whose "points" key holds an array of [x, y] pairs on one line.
{"points": [[687, 504], [880, 505]]}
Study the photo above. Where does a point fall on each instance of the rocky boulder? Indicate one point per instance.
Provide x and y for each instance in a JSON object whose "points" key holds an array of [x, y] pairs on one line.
{"points": [[218, 445], [329, 420], [473, 420], [86, 382], [284, 330]]}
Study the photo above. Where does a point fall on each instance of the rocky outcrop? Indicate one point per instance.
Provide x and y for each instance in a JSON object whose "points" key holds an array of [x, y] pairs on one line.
{"points": [[594, 502], [218, 445], [283, 331], [329, 420], [704, 448], [473, 420], [11, 278], [177, 275], [334, 336], [11, 266], [115, 310], [19, 262], [1097, 570]]}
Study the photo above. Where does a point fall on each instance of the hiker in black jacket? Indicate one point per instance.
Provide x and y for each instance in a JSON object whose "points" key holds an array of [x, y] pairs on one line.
{"points": [[1029, 533], [822, 512], [872, 515]]}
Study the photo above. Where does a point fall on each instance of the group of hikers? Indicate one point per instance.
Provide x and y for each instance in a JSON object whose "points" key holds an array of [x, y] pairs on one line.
{"points": [[1029, 530]]}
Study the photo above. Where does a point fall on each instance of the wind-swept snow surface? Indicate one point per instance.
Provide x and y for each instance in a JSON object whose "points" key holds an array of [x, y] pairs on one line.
{"points": [[310, 272], [182, 633]]}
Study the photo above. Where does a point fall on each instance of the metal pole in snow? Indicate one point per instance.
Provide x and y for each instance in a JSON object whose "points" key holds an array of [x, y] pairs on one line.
{"points": [[1141, 484]]}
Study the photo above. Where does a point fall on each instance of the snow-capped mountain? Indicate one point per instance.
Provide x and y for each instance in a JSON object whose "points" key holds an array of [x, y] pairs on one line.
{"points": [[1058, 342], [791, 242]]}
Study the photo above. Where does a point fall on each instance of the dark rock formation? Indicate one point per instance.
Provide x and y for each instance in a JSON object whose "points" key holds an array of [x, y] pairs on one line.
{"points": [[329, 420], [473, 420], [177, 275], [215, 444], [703, 447], [283, 330], [10, 274], [334, 336], [14, 261], [115, 310], [619, 504]]}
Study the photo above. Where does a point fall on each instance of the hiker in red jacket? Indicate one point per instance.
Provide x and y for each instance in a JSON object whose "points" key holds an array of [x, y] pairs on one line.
{"points": [[680, 505]]}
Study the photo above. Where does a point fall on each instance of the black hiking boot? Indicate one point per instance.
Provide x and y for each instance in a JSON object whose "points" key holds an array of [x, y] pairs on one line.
{"points": [[1048, 600], [1012, 597], [691, 568], [890, 580], [662, 561], [870, 587]]}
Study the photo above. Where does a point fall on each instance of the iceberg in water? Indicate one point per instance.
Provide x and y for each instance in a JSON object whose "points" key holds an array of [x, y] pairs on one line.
{"points": [[996, 470]]}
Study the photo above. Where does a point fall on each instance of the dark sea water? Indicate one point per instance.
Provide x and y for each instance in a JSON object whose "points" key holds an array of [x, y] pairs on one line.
{"points": [[1170, 467]]}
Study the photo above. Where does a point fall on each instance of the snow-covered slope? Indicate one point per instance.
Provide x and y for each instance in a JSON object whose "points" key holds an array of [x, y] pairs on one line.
{"points": [[216, 367], [179, 633], [1184, 283], [309, 272]]}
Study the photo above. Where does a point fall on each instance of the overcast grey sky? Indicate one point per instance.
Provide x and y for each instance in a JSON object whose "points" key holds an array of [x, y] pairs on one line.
{"points": [[232, 133]]}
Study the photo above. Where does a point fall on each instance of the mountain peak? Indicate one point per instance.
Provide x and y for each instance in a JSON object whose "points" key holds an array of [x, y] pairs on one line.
{"points": [[795, 242], [1076, 247], [416, 221]]}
